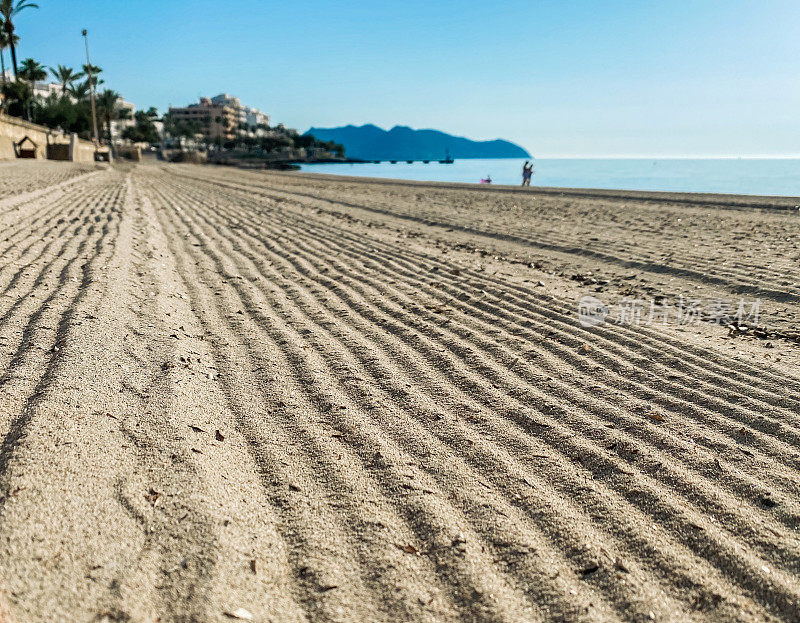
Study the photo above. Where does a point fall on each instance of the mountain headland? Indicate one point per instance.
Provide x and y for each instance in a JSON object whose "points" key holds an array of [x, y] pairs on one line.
{"points": [[369, 142]]}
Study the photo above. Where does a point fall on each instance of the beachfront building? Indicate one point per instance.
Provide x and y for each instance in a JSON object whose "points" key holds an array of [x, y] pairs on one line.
{"points": [[247, 117], [45, 89], [223, 117], [215, 121], [257, 121], [234, 103], [126, 111]]}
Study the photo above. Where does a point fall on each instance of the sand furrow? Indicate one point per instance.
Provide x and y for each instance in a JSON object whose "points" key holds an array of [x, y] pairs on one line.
{"points": [[529, 298], [696, 396], [343, 400], [767, 283], [291, 401]]}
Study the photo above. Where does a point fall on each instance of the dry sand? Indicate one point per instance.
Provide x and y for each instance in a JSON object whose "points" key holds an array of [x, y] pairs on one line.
{"points": [[285, 397]]}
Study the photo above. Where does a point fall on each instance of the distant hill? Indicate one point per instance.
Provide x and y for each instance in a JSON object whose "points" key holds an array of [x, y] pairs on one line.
{"points": [[369, 142]]}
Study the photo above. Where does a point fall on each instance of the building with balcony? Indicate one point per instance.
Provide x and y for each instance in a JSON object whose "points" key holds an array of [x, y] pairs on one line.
{"points": [[247, 116], [215, 121]]}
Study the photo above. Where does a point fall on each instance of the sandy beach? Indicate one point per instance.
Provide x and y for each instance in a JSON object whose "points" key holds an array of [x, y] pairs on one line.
{"points": [[245, 395]]}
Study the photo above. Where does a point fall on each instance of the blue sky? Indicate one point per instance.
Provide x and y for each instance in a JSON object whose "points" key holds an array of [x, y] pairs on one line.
{"points": [[579, 78]]}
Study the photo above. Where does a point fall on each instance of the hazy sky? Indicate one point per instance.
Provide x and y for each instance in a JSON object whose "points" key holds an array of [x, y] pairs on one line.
{"points": [[690, 77]]}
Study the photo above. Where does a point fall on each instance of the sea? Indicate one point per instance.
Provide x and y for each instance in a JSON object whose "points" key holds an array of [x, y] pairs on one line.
{"points": [[740, 176]]}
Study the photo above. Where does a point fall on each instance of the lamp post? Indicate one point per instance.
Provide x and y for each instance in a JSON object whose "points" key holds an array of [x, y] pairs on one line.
{"points": [[91, 88]]}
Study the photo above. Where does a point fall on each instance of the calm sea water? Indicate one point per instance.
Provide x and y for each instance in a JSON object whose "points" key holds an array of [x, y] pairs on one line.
{"points": [[738, 176]]}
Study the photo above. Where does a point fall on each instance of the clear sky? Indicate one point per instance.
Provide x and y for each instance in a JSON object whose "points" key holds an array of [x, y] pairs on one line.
{"points": [[592, 78]]}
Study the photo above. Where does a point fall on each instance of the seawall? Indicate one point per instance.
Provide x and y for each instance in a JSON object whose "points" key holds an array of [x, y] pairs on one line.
{"points": [[22, 139]]}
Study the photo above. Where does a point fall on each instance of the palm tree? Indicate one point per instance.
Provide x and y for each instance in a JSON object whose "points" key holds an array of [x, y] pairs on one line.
{"points": [[65, 76], [8, 11], [3, 36], [93, 71], [32, 71], [17, 100], [3, 45], [79, 91], [108, 109]]}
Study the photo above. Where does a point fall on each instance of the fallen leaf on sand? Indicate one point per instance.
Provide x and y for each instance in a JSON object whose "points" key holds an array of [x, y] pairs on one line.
{"points": [[409, 549], [196, 429], [240, 614], [219, 436], [657, 417]]}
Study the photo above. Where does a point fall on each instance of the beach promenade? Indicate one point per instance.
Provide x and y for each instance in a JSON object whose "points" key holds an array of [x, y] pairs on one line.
{"points": [[271, 396]]}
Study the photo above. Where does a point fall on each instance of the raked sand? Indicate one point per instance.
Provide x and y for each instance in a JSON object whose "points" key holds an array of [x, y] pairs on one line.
{"points": [[285, 397]]}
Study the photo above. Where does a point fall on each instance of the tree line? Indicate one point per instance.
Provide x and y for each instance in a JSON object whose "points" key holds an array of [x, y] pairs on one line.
{"points": [[251, 140]]}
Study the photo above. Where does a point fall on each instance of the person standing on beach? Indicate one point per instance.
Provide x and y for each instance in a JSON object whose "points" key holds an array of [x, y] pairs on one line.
{"points": [[527, 172]]}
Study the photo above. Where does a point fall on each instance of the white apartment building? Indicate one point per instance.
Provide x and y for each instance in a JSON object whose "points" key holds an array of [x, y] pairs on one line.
{"points": [[247, 115], [255, 117], [118, 125]]}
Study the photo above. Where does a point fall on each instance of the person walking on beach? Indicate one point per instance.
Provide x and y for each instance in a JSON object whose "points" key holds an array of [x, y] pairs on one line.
{"points": [[527, 173]]}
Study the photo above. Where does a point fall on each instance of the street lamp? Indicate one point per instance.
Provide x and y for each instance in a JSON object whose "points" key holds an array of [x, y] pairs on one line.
{"points": [[91, 88]]}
